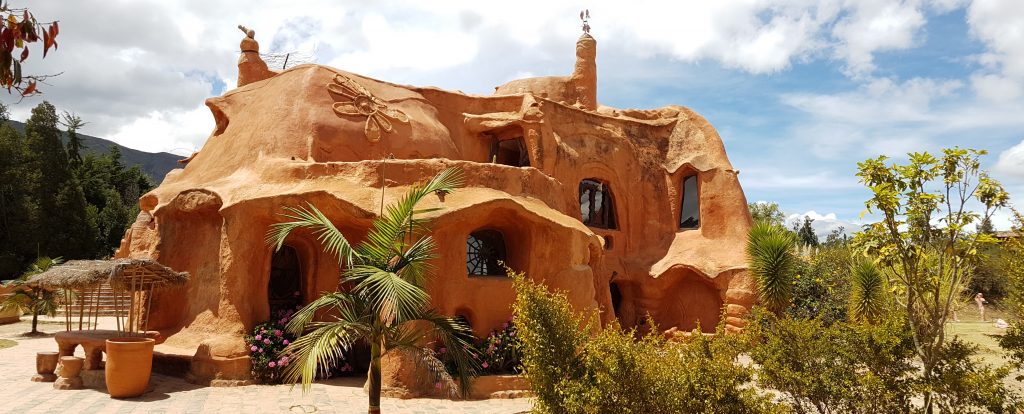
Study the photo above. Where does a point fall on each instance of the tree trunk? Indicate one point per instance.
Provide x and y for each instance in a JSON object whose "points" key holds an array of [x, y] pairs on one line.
{"points": [[35, 320], [375, 378]]}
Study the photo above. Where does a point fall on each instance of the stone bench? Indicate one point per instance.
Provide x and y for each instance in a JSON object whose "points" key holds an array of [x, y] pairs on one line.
{"points": [[94, 343]]}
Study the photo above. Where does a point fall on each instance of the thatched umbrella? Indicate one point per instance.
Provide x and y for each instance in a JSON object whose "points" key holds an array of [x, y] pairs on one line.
{"points": [[137, 277]]}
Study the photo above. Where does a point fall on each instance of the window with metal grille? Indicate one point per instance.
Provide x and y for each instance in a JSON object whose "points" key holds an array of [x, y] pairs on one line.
{"points": [[484, 250], [597, 209]]}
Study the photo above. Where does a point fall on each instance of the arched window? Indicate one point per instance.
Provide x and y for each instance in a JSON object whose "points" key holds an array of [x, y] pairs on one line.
{"points": [[689, 211], [597, 208], [484, 249]]}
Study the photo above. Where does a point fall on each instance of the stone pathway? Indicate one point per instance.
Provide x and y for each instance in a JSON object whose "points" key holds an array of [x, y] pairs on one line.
{"points": [[174, 395]]}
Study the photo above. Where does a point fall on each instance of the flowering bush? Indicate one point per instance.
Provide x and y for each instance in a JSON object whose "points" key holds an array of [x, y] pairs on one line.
{"points": [[499, 352], [266, 344]]}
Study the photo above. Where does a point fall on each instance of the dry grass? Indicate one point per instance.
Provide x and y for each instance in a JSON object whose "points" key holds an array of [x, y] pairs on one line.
{"points": [[7, 343]]}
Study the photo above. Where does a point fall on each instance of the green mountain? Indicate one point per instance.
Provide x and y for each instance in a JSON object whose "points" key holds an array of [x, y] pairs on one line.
{"points": [[155, 164]]}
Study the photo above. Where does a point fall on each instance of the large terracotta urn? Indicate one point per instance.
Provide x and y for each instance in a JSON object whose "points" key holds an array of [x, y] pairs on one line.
{"points": [[129, 364]]}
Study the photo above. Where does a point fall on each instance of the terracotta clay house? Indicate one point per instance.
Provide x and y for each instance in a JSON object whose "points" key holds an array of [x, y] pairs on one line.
{"points": [[631, 212]]}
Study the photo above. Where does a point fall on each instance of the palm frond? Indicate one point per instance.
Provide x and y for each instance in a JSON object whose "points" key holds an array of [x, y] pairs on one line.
{"points": [[458, 339], [325, 343], [309, 217], [390, 296], [772, 262], [342, 302], [414, 264], [390, 229]]}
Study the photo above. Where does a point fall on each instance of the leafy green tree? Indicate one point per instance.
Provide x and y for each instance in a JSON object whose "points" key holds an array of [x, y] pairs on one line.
{"points": [[805, 232], [773, 264], [65, 225], [767, 212], [922, 242], [34, 299], [387, 305], [18, 208]]}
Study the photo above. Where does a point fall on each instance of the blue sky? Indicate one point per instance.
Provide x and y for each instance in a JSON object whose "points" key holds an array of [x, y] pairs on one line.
{"points": [[800, 90]]}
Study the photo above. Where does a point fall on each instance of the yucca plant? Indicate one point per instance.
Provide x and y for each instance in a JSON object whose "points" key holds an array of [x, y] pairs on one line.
{"points": [[31, 298], [385, 303], [867, 292], [773, 264]]}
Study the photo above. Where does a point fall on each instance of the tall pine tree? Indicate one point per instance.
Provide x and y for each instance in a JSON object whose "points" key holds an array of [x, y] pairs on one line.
{"points": [[66, 227]]}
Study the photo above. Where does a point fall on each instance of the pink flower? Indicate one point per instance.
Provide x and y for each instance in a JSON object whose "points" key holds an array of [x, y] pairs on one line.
{"points": [[259, 337], [437, 385], [504, 325], [283, 321], [261, 350], [442, 350], [267, 341], [272, 364], [286, 342], [253, 348], [277, 332]]}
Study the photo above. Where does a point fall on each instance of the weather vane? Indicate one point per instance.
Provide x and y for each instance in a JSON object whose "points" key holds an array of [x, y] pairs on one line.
{"points": [[585, 16]]}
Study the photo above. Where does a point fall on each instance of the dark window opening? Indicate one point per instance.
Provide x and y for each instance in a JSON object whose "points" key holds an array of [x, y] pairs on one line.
{"points": [[689, 217], [485, 253], [284, 291], [596, 206], [511, 152], [608, 242], [616, 298]]}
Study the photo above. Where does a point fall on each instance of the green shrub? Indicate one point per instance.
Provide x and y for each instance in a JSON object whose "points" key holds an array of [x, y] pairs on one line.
{"points": [[833, 368], [965, 386], [611, 371], [822, 285]]}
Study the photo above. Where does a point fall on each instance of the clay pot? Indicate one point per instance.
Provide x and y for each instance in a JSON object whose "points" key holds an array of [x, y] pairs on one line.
{"points": [[129, 364]]}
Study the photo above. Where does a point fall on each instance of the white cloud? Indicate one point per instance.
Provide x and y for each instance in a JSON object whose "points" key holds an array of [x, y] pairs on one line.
{"points": [[875, 26], [1011, 161], [1000, 25], [774, 179]]}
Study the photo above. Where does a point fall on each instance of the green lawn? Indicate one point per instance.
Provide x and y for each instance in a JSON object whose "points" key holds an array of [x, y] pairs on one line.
{"points": [[983, 334], [7, 343]]}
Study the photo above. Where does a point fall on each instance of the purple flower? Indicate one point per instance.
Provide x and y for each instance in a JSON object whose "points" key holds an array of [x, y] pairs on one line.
{"points": [[485, 365], [267, 341], [259, 337], [442, 350], [504, 325], [253, 348], [286, 342], [261, 350], [271, 364], [277, 332]]}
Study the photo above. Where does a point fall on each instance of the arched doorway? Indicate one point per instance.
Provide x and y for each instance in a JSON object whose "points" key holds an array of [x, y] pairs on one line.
{"points": [[284, 289]]}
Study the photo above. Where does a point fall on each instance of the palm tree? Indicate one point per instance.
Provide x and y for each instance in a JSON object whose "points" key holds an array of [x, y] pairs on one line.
{"points": [[31, 298], [773, 263], [867, 291], [387, 305]]}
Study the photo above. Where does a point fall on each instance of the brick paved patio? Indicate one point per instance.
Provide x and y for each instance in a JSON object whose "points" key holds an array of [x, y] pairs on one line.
{"points": [[174, 395]]}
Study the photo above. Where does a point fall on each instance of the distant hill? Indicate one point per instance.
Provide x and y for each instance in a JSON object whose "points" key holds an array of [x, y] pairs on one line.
{"points": [[153, 164]]}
